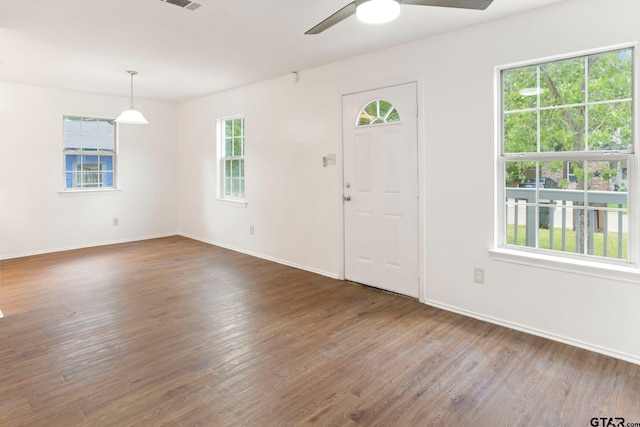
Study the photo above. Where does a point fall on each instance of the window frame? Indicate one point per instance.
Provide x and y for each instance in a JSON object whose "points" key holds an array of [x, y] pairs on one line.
{"points": [[626, 269], [222, 160], [90, 153]]}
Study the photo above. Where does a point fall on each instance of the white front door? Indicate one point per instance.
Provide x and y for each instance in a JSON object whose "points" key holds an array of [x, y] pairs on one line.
{"points": [[380, 146]]}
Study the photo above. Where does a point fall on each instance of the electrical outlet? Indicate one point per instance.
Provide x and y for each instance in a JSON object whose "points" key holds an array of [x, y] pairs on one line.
{"points": [[116, 222], [478, 275], [251, 230]]}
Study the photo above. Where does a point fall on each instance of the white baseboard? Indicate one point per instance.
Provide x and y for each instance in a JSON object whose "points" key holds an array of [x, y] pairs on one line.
{"points": [[91, 245], [266, 257], [533, 331]]}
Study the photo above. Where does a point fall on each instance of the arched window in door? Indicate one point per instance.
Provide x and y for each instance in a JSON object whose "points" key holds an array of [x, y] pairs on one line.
{"points": [[377, 112]]}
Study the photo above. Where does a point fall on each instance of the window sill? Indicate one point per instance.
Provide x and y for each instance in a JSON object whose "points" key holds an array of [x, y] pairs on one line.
{"points": [[623, 272], [85, 191], [230, 202]]}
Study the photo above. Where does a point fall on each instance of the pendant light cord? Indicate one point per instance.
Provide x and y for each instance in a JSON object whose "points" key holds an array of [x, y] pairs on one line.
{"points": [[133, 73]]}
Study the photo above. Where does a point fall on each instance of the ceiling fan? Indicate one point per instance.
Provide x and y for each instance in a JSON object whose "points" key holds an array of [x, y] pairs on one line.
{"points": [[390, 9]]}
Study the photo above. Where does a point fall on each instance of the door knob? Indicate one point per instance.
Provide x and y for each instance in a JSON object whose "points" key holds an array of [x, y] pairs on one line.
{"points": [[346, 198]]}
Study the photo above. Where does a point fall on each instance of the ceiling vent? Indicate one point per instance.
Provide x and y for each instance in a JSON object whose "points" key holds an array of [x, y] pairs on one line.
{"points": [[185, 4]]}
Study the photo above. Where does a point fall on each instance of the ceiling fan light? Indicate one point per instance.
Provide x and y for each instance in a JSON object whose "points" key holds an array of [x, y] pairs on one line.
{"points": [[378, 11], [132, 116]]}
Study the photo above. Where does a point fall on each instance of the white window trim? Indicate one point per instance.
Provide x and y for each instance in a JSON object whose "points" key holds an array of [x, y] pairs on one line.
{"points": [[220, 158], [606, 268], [78, 191], [231, 202]]}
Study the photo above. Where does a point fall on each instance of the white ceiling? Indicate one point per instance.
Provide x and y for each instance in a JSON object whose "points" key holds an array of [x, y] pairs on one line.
{"points": [[180, 54]]}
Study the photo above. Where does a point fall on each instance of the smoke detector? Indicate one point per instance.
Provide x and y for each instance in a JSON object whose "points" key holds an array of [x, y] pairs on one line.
{"points": [[185, 4]]}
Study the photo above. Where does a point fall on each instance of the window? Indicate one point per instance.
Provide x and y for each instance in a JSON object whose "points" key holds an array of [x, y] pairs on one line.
{"points": [[89, 152], [566, 148], [377, 112], [231, 155]]}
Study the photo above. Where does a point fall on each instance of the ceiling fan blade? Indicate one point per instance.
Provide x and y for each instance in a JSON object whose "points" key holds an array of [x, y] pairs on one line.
{"points": [[343, 13], [460, 4]]}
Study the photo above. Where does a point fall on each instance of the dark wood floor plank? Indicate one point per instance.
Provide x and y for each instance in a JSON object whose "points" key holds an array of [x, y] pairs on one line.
{"points": [[175, 332]]}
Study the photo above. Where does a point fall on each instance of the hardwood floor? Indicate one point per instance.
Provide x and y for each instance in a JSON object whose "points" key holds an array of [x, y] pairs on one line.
{"points": [[174, 332]]}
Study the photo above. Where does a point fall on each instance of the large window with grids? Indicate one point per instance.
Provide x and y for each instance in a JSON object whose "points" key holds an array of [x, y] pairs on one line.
{"points": [[566, 157], [89, 148], [231, 158]]}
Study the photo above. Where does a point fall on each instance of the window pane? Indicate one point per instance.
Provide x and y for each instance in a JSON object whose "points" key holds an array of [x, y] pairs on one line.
{"points": [[520, 132], [551, 173], [228, 147], [89, 160], [71, 124], [235, 169], [575, 175], [70, 161], [238, 127], [234, 187], [610, 126], [106, 142], [372, 109], [89, 126], [562, 82], [228, 128], [518, 213], [607, 175], [516, 172], [89, 142], [237, 147], [558, 229], [107, 163], [608, 215], [393, 116], [562, 129], [106, 127], [227, 168], [72, 141], [384, 108], [610, 76], [364, 119], [520, 88], [606, 233]]}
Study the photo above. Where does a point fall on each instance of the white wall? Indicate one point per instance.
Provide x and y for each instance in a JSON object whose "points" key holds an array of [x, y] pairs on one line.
{"points": [[36, 217], [295, 204]]}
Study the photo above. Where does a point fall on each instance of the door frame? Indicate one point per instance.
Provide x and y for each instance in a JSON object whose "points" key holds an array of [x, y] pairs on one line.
{"points": [[418, 79]]}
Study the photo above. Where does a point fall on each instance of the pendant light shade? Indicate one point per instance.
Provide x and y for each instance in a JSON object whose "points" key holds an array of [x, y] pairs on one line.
{"points": [[377, 11], [132, 116]]}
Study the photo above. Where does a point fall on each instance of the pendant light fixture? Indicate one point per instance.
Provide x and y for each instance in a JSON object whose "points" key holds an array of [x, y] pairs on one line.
{"points": [[377, 11], [132, 116]]}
